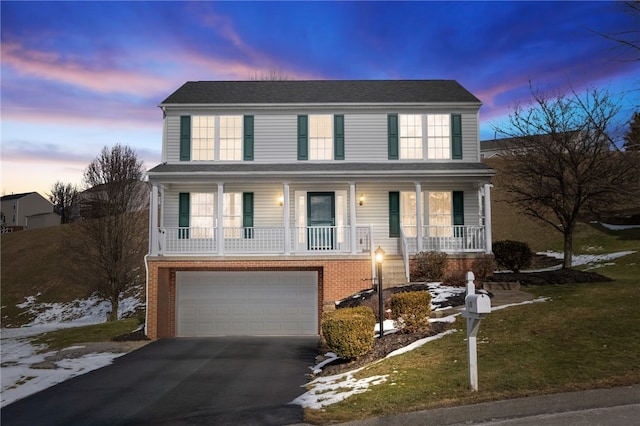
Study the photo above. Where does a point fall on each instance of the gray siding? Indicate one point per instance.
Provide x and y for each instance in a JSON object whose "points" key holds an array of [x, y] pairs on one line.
{"points": [[275, 136]]}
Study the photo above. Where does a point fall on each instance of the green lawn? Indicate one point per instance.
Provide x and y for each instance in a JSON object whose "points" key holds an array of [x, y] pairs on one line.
{"points": [[585, 336]]}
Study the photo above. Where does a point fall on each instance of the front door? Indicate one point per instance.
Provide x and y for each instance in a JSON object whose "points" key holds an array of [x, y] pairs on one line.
{"points": [[321, 220]]}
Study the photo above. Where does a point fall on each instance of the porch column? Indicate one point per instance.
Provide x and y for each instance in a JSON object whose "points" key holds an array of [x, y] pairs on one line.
{"points": [[419, 216], [352, 216], [487, 219], [286, 211], [153, 221], [220, 219]]}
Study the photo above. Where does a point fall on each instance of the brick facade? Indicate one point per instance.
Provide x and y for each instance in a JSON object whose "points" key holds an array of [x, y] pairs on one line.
{"points": [[337, 278]]}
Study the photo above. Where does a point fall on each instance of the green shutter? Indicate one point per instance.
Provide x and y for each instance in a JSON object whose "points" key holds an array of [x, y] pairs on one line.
{"points": [[456, 136], [458, 207], [248, 138], [303, 137], [247, 214], [394, 214], [392, 133], [185, 138], [183, 215], [338, 137]]}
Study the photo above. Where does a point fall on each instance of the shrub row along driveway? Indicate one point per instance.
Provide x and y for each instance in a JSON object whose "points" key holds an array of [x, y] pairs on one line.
{"points": [[221, 380]]}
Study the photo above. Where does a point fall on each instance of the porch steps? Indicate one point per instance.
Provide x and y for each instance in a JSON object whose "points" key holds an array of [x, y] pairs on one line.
{"points": [[393, 273]]}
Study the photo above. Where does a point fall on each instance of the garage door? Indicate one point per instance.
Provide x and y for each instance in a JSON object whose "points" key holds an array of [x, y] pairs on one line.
{"points": [[246, 303]]}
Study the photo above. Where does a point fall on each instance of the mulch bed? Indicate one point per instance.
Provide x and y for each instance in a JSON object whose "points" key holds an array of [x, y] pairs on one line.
{"points": [[381, 348], [560, 276]]}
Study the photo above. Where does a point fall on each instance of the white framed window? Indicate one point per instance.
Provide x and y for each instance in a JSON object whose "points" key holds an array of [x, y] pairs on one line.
{"points": [[216, 137], [438, 136], [232, 214], [203, 137], [320, 137], [440, 214], [410, 128], [202, 214], [408, 213], [230, 138]]}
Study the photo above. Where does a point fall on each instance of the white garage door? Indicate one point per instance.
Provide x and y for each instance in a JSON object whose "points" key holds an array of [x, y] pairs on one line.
{"points": [[246, 303]]}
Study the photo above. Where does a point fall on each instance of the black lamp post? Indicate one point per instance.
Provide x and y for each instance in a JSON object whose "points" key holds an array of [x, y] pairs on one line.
{"points": [[379, 258]]}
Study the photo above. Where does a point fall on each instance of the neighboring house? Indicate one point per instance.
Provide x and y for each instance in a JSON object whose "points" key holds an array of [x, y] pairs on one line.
{"points": [[92, 201], [272, 197], [29, 210]]}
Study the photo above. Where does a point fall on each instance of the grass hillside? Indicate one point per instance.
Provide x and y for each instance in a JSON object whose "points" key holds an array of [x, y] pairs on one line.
{"points": [[33, 263]]}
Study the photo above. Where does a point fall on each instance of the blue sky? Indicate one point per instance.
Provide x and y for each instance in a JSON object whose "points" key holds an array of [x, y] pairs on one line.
{"points": [[76, 76]]}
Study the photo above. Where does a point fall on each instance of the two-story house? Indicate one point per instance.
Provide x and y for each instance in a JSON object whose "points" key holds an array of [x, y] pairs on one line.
{"points": [[272, 197]]}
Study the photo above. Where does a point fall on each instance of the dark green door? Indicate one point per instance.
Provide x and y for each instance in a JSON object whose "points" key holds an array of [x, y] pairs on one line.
{"points": [[321, 220]]}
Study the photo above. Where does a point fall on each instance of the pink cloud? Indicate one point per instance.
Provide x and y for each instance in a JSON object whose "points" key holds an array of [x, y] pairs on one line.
{"points": [[52, 66]]}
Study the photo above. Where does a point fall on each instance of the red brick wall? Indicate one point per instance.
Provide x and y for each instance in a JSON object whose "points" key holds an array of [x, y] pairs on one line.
{"points": [[337, 278]]}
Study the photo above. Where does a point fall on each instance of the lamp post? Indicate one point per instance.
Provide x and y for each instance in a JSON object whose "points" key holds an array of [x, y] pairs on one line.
{"points": [[379, 258]]}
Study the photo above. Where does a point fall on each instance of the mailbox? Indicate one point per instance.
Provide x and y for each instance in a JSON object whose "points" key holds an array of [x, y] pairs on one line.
{"points": [[478, 303]]}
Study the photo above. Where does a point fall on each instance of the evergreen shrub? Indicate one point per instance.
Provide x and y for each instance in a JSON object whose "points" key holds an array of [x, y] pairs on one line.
{"points": [[349, 332], [412, 311]]}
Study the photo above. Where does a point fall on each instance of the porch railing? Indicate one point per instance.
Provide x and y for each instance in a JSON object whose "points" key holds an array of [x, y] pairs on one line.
{"points": [[264, 240], [454, 239]]}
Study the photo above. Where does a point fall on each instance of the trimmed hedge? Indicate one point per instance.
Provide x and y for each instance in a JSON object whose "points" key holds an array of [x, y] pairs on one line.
{"points": [[512, 255], [412, 311], [349, 332]]}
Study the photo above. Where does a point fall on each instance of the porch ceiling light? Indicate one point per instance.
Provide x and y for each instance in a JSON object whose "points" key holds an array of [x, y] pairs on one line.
{"points": [[361, 199]]}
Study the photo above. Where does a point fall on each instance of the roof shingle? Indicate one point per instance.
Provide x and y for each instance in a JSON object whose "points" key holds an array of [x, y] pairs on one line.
{"points": [[320, 91]]}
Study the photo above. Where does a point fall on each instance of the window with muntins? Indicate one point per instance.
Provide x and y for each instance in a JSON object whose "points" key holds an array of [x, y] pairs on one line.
{"points": [[203, 138], [408, 213], [440, 214], [438, 136], [202, 217], [410, 127], [211, 138], [424, 136], [231, 138], [232, 214], [320, 137]]}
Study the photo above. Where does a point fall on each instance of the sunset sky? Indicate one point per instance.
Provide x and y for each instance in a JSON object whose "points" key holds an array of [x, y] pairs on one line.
{"points": [[78, 76]]}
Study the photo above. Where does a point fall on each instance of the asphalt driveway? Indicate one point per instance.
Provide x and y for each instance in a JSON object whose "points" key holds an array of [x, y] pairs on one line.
{"points": [[186, 381]]}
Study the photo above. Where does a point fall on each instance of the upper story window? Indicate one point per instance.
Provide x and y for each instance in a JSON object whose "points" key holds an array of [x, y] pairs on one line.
{"points": [[420, 136], [410, 136], [320, 137], [202, 138], [213, 138], [438, 136]]}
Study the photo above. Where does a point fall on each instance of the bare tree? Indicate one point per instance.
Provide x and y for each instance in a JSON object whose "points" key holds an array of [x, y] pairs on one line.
{"points": [[632, 137], [562, 163], [628, 38], [274, 74], [63, 197], [111, 239]]}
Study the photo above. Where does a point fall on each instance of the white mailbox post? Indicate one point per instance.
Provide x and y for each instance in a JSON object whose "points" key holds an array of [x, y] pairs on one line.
{"points": [[477, 306]]}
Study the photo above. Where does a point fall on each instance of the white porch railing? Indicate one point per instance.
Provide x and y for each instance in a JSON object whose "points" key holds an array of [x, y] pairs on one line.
{"points": [[250, 241], [453, 239]]}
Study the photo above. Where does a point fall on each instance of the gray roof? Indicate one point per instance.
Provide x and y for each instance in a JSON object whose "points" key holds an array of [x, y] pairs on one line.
{"points": [[16, 196], [256, 170], [320, 91]]}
